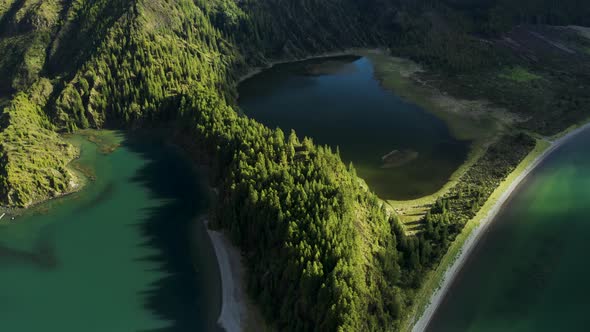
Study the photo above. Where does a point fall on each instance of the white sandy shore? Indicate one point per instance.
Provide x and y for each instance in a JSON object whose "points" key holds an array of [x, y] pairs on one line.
{"points": [[233, 301], [476, 234]]}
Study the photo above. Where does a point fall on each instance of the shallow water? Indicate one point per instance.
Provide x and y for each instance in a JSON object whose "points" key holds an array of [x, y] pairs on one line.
{"points": [[338, 102], [124, 254], [529, 271]]}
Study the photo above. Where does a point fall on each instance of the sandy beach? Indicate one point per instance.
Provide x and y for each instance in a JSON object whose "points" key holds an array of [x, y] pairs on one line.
{"points": [[233, 313], [476, 234]]}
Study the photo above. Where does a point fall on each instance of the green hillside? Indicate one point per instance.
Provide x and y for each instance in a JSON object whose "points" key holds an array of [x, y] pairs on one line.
{"points": [[313, 234]]}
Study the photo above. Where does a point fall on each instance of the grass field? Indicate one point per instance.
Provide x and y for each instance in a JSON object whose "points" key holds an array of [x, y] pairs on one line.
{"points": [[472, 120], [518, 74], [411, 212]]}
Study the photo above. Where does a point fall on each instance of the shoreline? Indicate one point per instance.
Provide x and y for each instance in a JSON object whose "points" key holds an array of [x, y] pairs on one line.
{"points": [[13, 212], [473, 238], [79, 180], [351, 51], [234, 308]]}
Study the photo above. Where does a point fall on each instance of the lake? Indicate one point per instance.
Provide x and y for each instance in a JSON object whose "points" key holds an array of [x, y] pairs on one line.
{"points": [[399, 149], [124, 254], [529, 272]]}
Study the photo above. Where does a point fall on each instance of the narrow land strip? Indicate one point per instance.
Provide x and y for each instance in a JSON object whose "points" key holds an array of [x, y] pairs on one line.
{"points": [[479, 224]]}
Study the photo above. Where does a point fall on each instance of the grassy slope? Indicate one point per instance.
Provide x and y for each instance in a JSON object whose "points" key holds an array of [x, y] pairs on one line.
{"points": [[34, 158], [26, 30], [542, 78], [38, 38], [473, 120]]}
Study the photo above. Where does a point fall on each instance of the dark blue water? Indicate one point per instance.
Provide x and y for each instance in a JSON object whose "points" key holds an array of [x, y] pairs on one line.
{"points": [[338, 102]]}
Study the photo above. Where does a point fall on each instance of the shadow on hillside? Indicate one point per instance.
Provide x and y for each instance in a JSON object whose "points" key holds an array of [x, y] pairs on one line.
{"points": [[188, 297]]}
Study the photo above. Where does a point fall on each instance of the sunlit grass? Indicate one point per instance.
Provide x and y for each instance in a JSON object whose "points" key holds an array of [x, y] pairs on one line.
{"points": [[518, 74], [467, 119]]}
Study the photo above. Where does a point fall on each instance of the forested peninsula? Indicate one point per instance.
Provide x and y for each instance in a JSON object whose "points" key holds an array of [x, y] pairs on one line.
{"points": [[322, 251]]}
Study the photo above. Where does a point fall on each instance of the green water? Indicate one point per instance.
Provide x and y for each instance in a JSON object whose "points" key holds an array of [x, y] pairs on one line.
{"points": [[530, 271], [338, 101], [125, 254]]}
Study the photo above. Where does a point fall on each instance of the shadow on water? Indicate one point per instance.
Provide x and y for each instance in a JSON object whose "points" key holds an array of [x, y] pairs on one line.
{"points": [[184, 296], [42, 256], [102, 196]]}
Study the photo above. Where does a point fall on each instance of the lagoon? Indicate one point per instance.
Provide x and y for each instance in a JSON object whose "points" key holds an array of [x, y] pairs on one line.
{"points": [[124, 254], [401, 150]]}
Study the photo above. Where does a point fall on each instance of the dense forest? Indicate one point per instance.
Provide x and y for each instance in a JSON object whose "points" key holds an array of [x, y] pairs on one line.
{"points": [[313, 234]]}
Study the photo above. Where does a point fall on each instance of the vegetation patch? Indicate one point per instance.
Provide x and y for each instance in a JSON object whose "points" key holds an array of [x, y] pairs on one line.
{"points": [[518, 74], [33, 158], [106, 141], [467, 119], [446, 218], [434, 277], [474, 188], [477, 121], [26, 30], [519, 56]]}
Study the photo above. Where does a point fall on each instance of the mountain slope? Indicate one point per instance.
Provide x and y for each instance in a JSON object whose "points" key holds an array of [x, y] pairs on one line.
{"points": [[325, 235], [313, 235]]}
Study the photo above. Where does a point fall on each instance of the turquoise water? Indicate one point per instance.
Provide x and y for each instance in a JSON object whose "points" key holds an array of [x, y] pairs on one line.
{"points": [[529, 273], [125, 254], [338, 102]]}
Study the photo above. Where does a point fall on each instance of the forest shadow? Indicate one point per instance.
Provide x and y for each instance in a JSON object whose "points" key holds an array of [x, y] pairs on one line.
{"points": [[183, 297]]}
